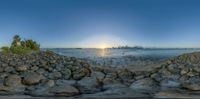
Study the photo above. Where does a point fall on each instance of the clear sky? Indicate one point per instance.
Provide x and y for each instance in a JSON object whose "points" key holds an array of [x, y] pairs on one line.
{"points": [[100, 23]]}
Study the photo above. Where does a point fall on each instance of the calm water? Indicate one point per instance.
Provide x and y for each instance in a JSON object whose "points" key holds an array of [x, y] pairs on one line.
{"points": [[90, 53]]}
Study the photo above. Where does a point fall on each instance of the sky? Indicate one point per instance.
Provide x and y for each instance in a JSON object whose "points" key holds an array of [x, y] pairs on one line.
{"points": [[102, 23]]}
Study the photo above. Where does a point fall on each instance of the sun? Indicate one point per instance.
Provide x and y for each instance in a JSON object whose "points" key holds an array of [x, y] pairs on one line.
{"points": [[103, 46]]}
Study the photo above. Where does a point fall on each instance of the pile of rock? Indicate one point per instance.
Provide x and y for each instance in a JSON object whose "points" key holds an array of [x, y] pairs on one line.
{"points": [[49, 74], [41, 74], [181, 72]]}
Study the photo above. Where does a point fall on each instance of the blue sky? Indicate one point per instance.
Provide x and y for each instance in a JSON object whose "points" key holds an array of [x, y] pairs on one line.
{"points": [[102, 23]]}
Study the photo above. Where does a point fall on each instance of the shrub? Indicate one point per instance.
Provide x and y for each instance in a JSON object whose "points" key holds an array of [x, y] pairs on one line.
{"points": [[20, 50], [19, 46], [5, 49], [33, 45]]}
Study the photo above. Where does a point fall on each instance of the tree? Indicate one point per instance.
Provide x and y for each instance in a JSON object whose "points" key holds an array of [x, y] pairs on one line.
{"points": [[16, 41], [31, 44]]}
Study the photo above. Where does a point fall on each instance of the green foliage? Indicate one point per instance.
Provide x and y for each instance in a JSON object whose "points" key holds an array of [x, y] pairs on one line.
{"points": [[20, 50], [33, 45], [16, 40], [19, 46], [5, 49]]}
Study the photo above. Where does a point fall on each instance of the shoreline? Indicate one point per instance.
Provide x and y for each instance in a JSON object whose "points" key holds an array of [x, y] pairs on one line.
{"points": [[48, 74]]}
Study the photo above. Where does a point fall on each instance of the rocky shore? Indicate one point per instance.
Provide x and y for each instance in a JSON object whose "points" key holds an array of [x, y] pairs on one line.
{"points": [[48, 74]]}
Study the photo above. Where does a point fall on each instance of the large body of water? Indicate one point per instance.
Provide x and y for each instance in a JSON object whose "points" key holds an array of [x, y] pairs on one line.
{"points": [[93, 53]]}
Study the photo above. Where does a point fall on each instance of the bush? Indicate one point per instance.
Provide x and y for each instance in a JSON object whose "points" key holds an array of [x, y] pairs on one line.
{"points": [[33, 45], [5, 49], [19, 46], [20, 50]]}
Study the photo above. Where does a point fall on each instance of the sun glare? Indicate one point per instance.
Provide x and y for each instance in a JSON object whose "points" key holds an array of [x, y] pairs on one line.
{"points": [[103, 46]]}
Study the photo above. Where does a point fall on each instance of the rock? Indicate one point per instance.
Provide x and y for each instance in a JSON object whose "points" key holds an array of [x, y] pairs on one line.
{"points": [[50, 83], [173, 68], [125, 74], [80, 73], [184, 71], [41, 71], [113, 86], [117, 93], [59, 67], [157, 77], [55, 75], [21, 68], [175, 95], [34, 68], [139, 77], [165, 73], [111, 78], [170, 83], [32, 78], [66, 73], [1, 69], [194, 79], [9, 69], [88, 85], [193, 87], [146, 84], [65, 82], [13, 80], [98, 75], [191, 74], [197, 69], [13, 84], [40, 91], [66, 90]]}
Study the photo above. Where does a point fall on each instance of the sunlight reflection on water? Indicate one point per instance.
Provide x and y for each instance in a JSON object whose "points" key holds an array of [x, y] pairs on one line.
{"points": [[103, 52]]}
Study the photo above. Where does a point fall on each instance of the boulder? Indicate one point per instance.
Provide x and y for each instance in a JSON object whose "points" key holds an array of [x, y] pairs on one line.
{"points": [[13, 80], [21, 68], [65, 82], [55, 75], [98, 75], [9, 69], [170, 83], [66, 73], [146, 84], [192, 86], [111, 78], [50, 83], [125, 74], [13, 84], [117, 93], [32, 78], [88, 85], [80, 73], [65, 90]]}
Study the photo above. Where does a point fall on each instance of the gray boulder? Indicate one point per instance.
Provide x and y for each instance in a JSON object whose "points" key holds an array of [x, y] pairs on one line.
{"points": [[192, 86], [88, 85], [146, 84], [66, 90], [170, 83], [65, 82], [98, 75], [13, 84], [80, 73], [66, 73], [55, 75], [32, 78], [21, 68]]}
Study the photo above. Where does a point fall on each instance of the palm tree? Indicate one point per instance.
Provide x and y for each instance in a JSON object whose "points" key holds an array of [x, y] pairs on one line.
{"points": [[16, 40]]}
